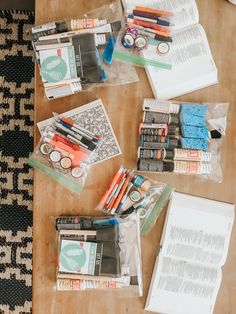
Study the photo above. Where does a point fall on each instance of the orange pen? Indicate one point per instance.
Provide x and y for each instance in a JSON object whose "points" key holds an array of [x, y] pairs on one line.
{"points": [[159, 12]]}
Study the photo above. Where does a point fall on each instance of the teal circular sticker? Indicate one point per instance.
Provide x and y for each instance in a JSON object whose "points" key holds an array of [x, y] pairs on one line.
{"points": [[53, 69], [73, 256]]}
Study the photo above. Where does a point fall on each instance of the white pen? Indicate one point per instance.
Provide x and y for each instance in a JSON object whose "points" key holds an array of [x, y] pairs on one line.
{"points": [[102, 29]]}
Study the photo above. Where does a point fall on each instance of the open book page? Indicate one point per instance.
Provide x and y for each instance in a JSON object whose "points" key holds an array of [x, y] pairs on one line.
{"points": [[198, 230], [180, 287], [192, 65], [185, 11]]}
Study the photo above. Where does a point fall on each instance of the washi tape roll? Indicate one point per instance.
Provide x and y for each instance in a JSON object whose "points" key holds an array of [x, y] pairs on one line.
{"points": [[45, 148], [145, 185], [140, 42], [142, 212], [135, 196], [138, 180], [77, 172], [133, 31], [163, 48], [66, 162], [55, 156], [127, 41]]}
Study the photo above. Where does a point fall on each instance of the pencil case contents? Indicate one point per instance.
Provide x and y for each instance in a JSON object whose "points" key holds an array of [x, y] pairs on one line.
{"points": [[130, 192], [76, 54], [99, 253], [146, 37], [64, 152], [181, 137]]}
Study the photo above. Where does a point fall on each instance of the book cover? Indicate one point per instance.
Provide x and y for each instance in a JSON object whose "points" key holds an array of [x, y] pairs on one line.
{"points": [[57, 64], [80, 257]]}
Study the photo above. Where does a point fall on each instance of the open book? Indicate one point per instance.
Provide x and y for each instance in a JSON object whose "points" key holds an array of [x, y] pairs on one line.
{"points": [[194, 247], [192, 64]]}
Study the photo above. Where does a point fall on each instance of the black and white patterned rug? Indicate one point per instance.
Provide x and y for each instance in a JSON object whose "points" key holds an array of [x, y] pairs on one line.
{"points": [[16, 177]]}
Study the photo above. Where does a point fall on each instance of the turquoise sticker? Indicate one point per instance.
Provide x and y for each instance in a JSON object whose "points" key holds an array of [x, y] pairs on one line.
{"points": [[53, 69], [73, 256]]}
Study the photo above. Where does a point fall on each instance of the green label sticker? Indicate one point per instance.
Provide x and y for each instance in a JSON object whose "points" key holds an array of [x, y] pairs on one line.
{"points": [[53, 69], [73, 256]]}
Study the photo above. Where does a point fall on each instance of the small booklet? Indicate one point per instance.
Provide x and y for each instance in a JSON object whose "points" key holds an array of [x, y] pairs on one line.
{"points": [[58, 64], [192, 63], [78, 257], [194, 246]]}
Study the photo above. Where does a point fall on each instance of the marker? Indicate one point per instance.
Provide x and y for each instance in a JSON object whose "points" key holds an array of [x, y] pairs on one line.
{"points": [[58, 138], [102, 29], [152, 16], [149, 26], [80, 133], [69, 121], [125, 196], [160, 106], [158, 12], [74, 140], [113, 183], [117, 194], [71, 127], [116, 190], [163, 38], [150, 30], [150, 20], [90, 145], [121, 194]]}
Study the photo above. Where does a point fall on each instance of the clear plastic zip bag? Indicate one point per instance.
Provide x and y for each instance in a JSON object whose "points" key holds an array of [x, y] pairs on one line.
{"points": [[101, 253], [76, 54], [182, 138], [64, 152], [130, 192]]}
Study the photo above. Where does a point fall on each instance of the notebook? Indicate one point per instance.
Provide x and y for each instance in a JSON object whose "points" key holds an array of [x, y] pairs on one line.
{"points": [[194, 246], [92, 117], [193, 66]]}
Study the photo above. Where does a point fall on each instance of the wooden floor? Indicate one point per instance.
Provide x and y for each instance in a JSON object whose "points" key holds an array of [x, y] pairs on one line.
{"points": [[123, 105]]}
